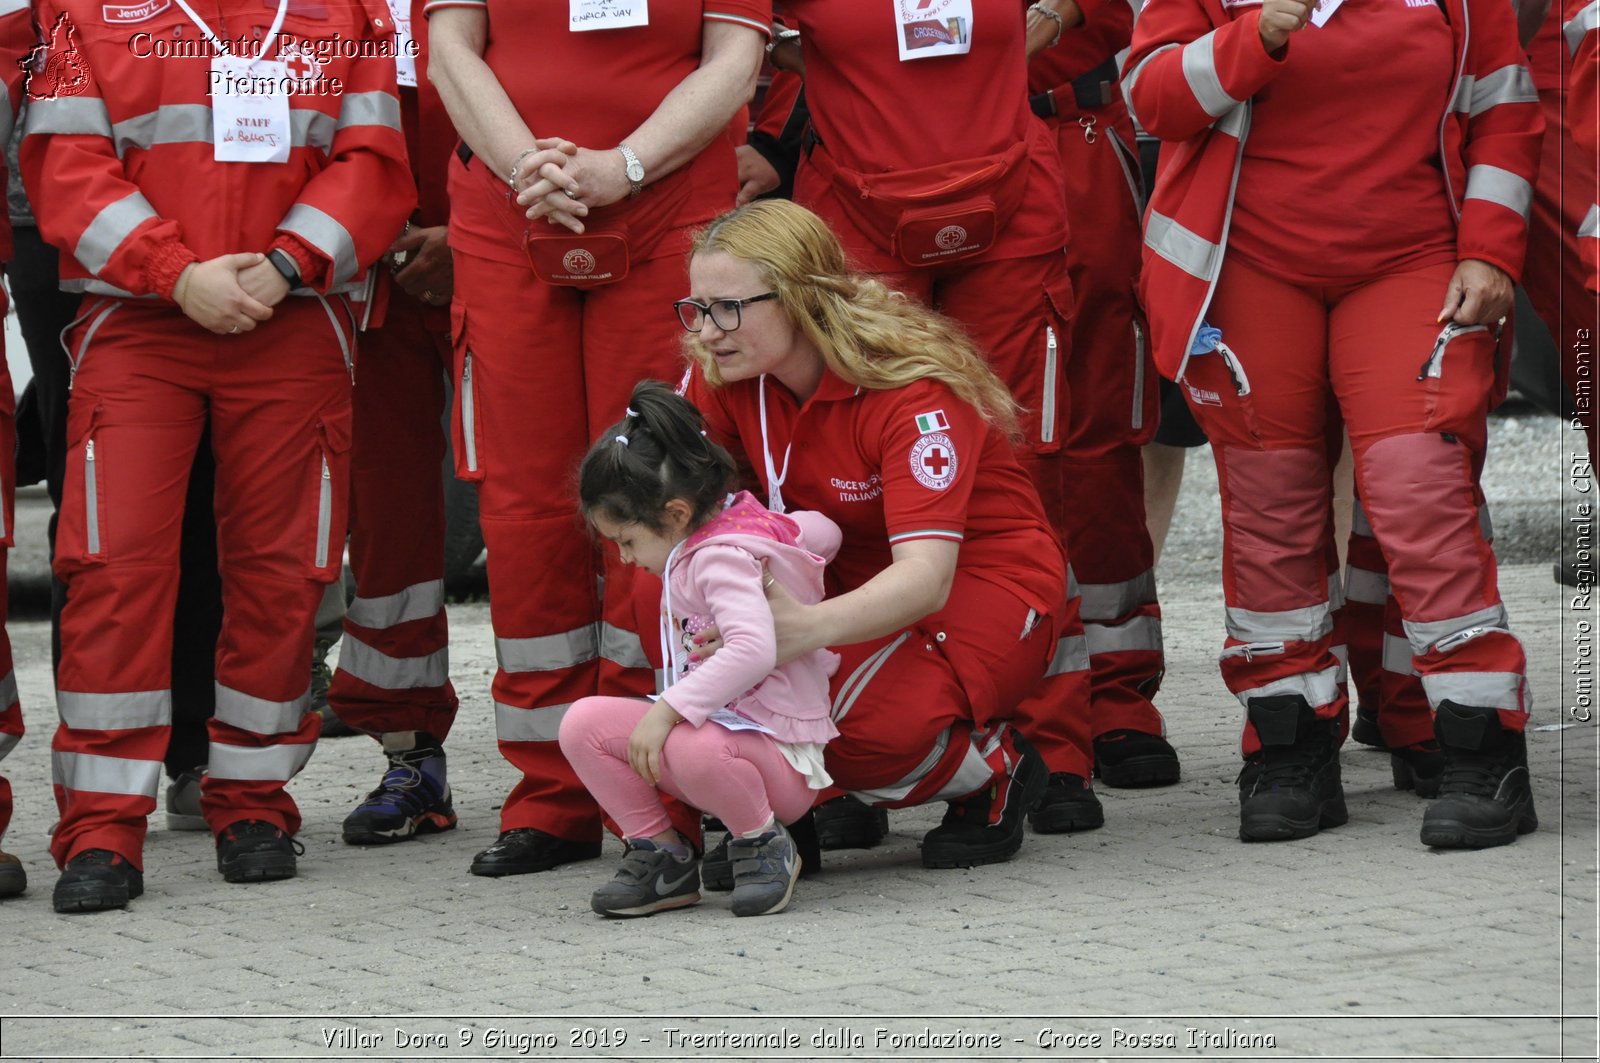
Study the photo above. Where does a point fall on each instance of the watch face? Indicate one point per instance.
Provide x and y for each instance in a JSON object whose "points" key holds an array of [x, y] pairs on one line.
{"points": [[635, 170]]}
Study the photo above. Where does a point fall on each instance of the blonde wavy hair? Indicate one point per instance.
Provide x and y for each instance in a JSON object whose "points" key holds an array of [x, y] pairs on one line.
{"points": [[869, 335]]}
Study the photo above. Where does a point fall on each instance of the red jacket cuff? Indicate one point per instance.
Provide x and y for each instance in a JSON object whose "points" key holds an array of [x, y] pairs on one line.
{"points": [[164, 265]]}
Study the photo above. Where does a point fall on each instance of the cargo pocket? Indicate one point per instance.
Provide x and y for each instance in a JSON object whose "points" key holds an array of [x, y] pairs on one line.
{"points": [[82, 534], [1441, 372], [330, 493]]}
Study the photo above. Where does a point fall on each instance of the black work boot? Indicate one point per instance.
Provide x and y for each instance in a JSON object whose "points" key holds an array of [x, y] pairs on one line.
{"points": [[1485, 798], [986, 827], [1290, 788], [850, 823]]}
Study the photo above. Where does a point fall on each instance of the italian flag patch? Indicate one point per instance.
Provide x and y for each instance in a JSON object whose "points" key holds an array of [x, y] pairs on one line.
{"points": [[932, 421]]}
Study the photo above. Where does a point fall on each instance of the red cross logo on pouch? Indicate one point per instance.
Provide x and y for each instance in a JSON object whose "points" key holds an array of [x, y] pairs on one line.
{"points": [[299, 64], [933, 461]]}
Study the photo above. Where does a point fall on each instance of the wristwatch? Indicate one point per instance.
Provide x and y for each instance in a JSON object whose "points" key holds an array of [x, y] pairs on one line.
{"points": [[782, 37], [634, 170]]}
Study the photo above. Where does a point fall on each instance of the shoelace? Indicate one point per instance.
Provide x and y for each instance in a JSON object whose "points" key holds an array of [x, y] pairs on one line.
{"points": [[1286, 766], [1478, 775], [401, 784]]}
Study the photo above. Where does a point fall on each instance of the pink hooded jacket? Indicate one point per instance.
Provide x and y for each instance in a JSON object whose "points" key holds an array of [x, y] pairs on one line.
{"points": [[715, 577]]}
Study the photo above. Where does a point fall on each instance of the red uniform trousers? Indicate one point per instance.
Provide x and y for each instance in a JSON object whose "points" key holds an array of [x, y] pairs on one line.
{"points": [[1555, 271], [1018, 311], [1380, 662], [1416, 444], [923, 714], [394, 662], [279, 402], [540, 370], [1112, 407], [11, 728]]}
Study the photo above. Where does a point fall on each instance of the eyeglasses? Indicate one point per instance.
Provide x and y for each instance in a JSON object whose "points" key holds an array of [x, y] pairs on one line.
{"points": [[726, 314]]}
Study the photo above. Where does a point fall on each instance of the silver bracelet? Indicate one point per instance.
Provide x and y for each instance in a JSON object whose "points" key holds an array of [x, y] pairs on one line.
{"points": [[511, 179], [1055, 16]]}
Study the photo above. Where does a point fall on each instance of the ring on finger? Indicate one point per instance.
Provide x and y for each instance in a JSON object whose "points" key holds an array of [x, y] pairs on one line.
{"points": [[233, 330]]}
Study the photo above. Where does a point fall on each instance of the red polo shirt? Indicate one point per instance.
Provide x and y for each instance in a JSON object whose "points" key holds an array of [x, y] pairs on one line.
{"points": [[895, 466]]}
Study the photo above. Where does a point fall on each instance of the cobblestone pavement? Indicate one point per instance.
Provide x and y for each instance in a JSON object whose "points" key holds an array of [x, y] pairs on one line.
{"points": [[1159, 936]]}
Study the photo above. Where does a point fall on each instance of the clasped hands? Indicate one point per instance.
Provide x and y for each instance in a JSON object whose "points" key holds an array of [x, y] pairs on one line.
{"points": [[230, 293], [560, 182]]}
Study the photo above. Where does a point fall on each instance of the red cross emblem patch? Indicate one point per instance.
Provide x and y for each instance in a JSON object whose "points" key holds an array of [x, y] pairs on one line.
{"points": [[933, 461]]}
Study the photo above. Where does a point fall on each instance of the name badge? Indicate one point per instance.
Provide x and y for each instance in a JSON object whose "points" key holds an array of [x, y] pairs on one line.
{"points": [[1324, 11], [249, 110], [405, 51], [929, 28], [585, 15]]}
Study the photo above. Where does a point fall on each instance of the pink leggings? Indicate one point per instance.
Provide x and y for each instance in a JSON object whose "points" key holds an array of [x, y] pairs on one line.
{"points": [[737, 776]]}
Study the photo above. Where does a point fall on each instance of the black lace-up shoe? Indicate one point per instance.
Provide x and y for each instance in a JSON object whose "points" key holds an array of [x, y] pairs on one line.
{"points": [[986, 827], [1485, 797], [1127, 759], [1069, 804], [253, 850], [849, 823], [1419, 767], [1290, 788], [1365, 728], [524, 850], [97, 879]]}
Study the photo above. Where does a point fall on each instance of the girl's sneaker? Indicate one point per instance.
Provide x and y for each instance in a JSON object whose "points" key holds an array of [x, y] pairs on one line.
{"points": [[650, 880], [764, 872]]}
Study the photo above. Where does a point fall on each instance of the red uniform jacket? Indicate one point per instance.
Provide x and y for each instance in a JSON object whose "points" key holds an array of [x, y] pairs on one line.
{"points": [[118, 157], [1191, 73]]}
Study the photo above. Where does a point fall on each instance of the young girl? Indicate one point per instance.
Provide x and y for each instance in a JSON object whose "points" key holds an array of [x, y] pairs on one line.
{"points": [[752, 755]]}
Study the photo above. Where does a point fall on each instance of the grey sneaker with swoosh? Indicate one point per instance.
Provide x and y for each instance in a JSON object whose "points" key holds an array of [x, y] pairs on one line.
{"points": [[650, 880], [764, 872]]}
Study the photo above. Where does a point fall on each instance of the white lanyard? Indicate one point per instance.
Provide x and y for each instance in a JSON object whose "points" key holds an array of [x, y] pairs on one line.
{"points": [[669, 643], [775, 477], [266, 42]]}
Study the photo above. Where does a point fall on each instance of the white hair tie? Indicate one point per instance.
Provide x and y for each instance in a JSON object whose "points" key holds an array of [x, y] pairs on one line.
{"points": [[623, 440], [632, 412]]}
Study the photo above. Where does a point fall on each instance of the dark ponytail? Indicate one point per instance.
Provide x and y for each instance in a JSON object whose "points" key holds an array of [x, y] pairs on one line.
{"points": [[656, 453]]}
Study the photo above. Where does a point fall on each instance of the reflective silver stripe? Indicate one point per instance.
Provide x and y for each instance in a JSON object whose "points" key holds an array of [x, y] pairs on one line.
{"points": [[1234, 124], [278, 763], [1318, 688], [1141, 634], [393, 673], [1072, 655], [114, 712], [324, 233], [114, 224], [971, 776], [417, 602], [1194, 254], [512, 723], [8, 742], [1107, 601], [88, 773], [69, 115], [191, 123], [1591, 222], [1372, 588], [861, 678], [370, 109], [1358, 520], [1335, 592], [99, 287], [622, 647], [1509, 84], [1485, 690], [545, 653], [8, 691], [1132, 76], [1583, 22], [1397, 656], [897, 791], [1341, 653], [1424, 635], [1299, 625], [1200, 71], [258, 715], [1494, 185]]}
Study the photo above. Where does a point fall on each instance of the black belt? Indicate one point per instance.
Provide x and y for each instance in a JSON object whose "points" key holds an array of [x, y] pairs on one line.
{"points": [[1090, 91]]}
